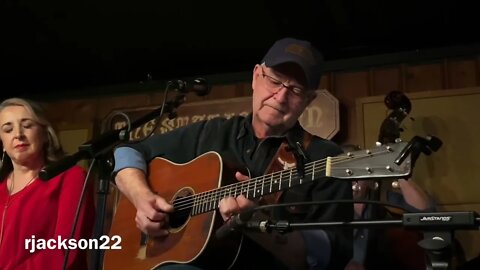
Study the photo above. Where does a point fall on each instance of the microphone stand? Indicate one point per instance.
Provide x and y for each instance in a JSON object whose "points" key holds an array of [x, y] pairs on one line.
{"points": [[438, 230], [101, 150]]}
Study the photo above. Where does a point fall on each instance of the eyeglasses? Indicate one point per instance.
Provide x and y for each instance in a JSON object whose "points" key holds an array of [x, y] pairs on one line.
{"points": [[275, 85]]}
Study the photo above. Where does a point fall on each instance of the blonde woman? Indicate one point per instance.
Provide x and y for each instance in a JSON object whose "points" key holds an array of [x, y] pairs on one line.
{"points": [[33, 211]]}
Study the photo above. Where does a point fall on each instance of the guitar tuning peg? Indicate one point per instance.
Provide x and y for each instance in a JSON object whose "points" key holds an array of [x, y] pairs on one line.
{"points": [[398, 140], [378, 144], [356, 186], [395, 185]]}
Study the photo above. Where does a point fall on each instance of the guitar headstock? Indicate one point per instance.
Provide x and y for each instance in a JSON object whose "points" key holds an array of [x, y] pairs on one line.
{"points": [[376, 162]]}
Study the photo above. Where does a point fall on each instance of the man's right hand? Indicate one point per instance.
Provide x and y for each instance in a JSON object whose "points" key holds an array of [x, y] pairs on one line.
{"points": [[152, 210], [152, 214]]}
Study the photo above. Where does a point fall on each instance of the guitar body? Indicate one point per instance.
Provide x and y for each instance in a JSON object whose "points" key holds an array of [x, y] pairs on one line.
{"points": [[191, 238]]}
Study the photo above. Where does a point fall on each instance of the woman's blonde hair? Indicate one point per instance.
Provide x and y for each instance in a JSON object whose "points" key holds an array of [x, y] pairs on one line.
{"points": [[53, 150]]}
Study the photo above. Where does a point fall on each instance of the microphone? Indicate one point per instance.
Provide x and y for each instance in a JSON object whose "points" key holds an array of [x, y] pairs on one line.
{"points": [[199, 86], [54, 169], [236, 222]]}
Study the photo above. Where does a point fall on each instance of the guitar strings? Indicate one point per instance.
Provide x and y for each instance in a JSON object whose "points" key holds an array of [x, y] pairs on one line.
{"points": [[208, 200], [280, 175], [205, 198], [236, 188]]}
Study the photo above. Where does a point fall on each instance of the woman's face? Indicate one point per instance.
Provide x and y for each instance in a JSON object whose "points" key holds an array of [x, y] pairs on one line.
{"points": [[22, 137]]}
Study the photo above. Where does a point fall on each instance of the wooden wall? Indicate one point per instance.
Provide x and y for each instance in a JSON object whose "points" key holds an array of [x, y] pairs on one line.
{"points": [[347, 86]]}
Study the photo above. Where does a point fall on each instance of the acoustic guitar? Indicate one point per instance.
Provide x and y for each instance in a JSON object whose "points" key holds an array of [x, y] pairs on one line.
{"points": [[195, 189]]}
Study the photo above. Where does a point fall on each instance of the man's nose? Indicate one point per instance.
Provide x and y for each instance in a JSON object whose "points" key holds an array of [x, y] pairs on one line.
{"points": [[282, 94]]}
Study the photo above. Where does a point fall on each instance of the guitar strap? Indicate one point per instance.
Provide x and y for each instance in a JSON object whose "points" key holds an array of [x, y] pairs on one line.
{"points": [[290, 154]]}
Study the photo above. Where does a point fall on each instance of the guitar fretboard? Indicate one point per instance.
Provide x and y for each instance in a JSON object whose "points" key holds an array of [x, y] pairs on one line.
{"points": [[266, 184], [253, 188]]}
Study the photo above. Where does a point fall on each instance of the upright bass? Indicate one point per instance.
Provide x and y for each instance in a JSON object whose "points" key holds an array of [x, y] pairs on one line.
{"points": [[403, 243]]}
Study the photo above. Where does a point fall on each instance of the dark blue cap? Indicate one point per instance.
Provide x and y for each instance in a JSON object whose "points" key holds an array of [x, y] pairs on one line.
{"points": [[300, 52]]}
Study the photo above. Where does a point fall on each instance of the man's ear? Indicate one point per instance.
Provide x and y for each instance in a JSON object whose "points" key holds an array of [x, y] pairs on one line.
{"points": [[255, 76]]}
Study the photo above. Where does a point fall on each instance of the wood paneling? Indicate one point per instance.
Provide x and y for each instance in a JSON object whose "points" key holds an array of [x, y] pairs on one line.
{"points": [[462, 73], [385, 80], [424, 77], [348, 87]]}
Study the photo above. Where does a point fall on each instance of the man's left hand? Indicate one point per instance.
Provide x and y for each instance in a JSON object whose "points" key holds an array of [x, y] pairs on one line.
{"points": [[230, 206]]}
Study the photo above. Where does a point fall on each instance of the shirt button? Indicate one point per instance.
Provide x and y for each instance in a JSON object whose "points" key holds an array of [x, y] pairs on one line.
{"points": [[249, 150]]}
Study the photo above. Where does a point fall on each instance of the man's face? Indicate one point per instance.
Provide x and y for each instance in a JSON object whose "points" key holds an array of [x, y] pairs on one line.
{"points": [[279, 98]]}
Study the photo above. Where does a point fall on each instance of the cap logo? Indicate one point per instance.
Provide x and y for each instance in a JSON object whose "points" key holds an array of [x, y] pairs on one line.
{"points": [[301, 51]]}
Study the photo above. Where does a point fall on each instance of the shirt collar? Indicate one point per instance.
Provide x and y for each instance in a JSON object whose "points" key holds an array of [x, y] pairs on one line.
{"points": [[296, 131]]}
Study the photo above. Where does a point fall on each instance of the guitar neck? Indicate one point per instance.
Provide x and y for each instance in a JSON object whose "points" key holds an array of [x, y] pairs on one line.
{"points": [[258, 186], [379, 162]]}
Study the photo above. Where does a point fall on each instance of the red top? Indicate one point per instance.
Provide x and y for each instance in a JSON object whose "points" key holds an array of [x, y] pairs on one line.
{"points": [[45, 209]]}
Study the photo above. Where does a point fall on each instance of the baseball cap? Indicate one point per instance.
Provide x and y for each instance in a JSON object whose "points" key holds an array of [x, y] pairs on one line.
{"points": [[300, 52]]}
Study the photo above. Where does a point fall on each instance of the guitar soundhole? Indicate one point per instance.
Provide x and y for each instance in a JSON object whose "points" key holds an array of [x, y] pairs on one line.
{"points": [[183, 208]]}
